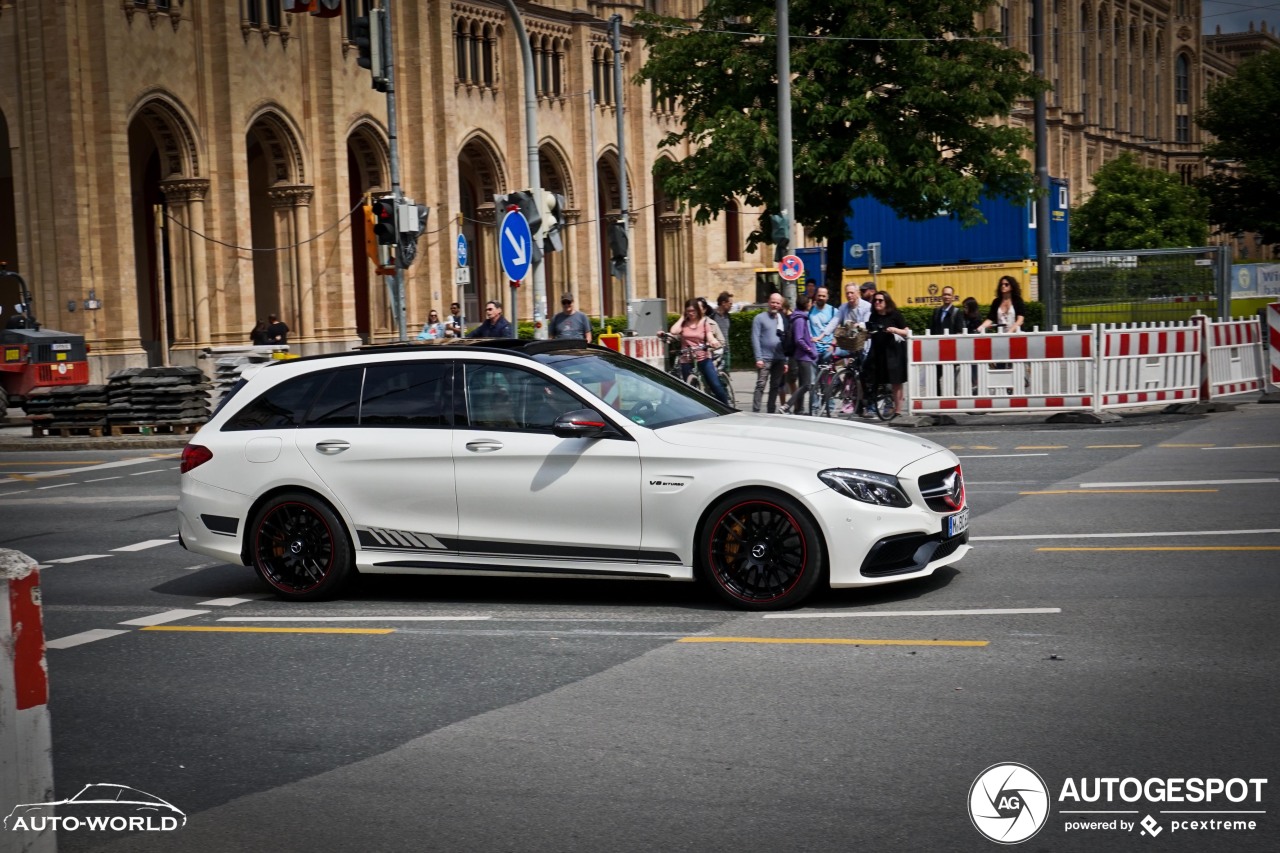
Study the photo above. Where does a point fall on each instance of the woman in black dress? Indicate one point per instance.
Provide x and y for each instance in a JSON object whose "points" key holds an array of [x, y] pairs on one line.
{"points": [[888, 356]]}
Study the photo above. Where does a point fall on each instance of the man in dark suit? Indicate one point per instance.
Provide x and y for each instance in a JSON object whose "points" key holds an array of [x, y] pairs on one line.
{"points": [[946, 319]]}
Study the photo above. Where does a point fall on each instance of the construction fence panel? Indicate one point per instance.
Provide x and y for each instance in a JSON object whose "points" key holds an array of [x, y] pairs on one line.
{"points": [[1145, 364], [1234, 360], [1023, 371]]}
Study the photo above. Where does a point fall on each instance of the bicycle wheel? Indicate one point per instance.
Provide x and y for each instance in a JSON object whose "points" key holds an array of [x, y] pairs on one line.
{"points": [[847, 391], [728, 388], [824, 392], [883, 404]]}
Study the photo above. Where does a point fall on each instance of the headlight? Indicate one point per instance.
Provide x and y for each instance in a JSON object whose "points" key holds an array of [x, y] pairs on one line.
{"points": [[866, 486]]}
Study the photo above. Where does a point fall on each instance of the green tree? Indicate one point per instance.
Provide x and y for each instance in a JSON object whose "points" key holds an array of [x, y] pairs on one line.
{"points": [[1244, 189], [1134, 207], [889, 99]]}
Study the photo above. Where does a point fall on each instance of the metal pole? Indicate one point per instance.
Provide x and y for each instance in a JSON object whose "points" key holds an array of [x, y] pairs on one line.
{"points": [[615, 42], [786, 176], [162, 304], [397, 285], [1044, 273], [595, 241], [535, 178]]}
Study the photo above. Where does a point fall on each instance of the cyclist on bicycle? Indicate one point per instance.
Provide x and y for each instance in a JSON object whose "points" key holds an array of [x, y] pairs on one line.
{"points": [[698, 336]]}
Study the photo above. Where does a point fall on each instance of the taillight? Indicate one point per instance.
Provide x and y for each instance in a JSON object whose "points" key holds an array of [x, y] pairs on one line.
{"points": [[193, 456]]}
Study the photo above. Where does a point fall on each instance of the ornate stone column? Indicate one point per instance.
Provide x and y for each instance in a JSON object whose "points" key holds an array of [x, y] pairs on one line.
{"points": [[185, 199], [296, 290]]}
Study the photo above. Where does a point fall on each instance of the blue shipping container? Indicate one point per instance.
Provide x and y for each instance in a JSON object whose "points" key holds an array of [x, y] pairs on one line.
{"points": [[1009, 233], [814, 259]]}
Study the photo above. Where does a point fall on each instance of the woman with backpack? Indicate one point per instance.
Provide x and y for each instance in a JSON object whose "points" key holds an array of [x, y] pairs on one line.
{"points": [[698, 336]]}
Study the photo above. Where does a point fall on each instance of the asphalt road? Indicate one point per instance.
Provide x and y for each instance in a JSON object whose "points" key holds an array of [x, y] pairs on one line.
{"points": [[1116, 619]]}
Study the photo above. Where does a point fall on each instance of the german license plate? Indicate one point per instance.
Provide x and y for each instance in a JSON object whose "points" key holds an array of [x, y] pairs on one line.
{"points": [[954, 525], [61, 347]]}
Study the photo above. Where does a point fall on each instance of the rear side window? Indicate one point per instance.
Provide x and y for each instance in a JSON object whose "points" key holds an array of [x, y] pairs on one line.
{"points": [[338, 404], [283, 407], [407, 394]]}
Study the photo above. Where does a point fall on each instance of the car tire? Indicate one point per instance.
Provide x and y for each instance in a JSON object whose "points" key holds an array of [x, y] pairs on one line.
{"points": [[300, 548], [760, 550]]}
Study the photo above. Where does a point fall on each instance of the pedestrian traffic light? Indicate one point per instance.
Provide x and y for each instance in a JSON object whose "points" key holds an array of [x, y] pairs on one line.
{"points": [[618, 249], [411, 221], [780, 236], [368, 34], [384, 220]]}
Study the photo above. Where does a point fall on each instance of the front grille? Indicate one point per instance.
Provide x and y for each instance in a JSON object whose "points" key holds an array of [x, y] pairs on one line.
{"points": [[943, 491]]}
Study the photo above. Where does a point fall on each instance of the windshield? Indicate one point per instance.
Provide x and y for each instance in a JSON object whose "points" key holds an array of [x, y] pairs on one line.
{"points": [[644, 394]]}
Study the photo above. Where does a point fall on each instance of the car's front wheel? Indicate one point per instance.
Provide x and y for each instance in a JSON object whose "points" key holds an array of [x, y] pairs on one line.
{"points": [[300, 548], [760, 551]]}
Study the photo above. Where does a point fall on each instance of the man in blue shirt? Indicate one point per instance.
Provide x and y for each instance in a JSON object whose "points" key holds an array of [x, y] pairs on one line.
{"points": [[494, 325]]}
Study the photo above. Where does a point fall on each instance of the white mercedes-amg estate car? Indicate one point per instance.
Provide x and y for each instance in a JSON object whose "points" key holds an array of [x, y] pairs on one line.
{"points": [[553, 459]]}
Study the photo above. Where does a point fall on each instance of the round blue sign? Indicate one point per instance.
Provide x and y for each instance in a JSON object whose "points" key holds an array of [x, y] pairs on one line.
{"points": [[515, 245], [462, 251]]}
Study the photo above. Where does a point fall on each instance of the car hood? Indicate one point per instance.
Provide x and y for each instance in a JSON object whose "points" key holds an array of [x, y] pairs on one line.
{"points": [[823, 441]]}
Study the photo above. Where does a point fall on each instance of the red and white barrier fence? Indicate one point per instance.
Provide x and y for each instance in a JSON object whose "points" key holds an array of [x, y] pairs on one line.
{"points": [[1147, 364], [1032, 371], [1092, 369], [25, 745], [1233, 357], [651, 350], [1273, 342]]}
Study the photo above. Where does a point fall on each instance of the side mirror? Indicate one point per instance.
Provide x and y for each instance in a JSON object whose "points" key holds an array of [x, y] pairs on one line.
{"points": [[582, 423]]}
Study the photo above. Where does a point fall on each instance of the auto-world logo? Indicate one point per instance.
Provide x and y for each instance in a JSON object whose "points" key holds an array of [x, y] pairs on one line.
{"points": [[1008, 803], [99, 807]]}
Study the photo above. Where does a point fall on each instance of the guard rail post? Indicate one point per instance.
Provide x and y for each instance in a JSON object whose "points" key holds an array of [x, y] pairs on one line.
{"points": [[1272, 331], [25, 745]]}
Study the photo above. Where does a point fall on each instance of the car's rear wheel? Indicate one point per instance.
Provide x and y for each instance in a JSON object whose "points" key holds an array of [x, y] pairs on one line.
{"points": [[759, 550], [301, 548]]}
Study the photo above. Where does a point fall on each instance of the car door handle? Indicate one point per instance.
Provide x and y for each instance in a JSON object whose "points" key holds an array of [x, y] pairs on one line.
{"points": [[484, 445], [332, 446]]}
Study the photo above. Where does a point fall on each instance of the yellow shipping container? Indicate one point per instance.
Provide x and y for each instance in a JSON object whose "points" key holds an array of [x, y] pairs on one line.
{"points": [[922, 286]]}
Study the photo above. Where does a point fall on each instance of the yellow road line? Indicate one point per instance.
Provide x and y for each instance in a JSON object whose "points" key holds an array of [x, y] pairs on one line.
{"points": [[1176, 548], [983, 447], [235, 630], [822, 641], [1041, 447], [1109, 446], [1116, 491], [1255, 446]]}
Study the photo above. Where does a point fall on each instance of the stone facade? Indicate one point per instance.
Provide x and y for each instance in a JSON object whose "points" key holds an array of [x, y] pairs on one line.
{"points": [[201, 165], [197, 166]]}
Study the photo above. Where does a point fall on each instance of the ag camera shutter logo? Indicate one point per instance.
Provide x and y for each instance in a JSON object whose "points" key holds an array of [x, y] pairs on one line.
{"points": [[1008, 803]]}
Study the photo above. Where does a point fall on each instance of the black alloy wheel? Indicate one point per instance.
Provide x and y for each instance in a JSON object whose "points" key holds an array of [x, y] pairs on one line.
{"points": [[760, 551], [301, 548]]}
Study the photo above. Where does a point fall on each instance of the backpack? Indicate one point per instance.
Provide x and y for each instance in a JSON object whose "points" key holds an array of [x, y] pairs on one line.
{"points": [[789, 338]]}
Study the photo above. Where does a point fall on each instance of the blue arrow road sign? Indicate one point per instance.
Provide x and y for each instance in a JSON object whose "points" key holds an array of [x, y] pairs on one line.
{"points": [[462, 251], [515, 245]]}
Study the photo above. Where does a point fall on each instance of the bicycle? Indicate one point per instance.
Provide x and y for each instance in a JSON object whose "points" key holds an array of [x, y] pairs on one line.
{"points": [[694, 378], [836, 386]]}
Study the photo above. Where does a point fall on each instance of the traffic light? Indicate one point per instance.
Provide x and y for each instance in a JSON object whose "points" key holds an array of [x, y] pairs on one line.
{"points": [[618, 249], [411, 221], [384, 220], [379, 254], [780, 236], [522, 200], [368, 34], [553, 221]]}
